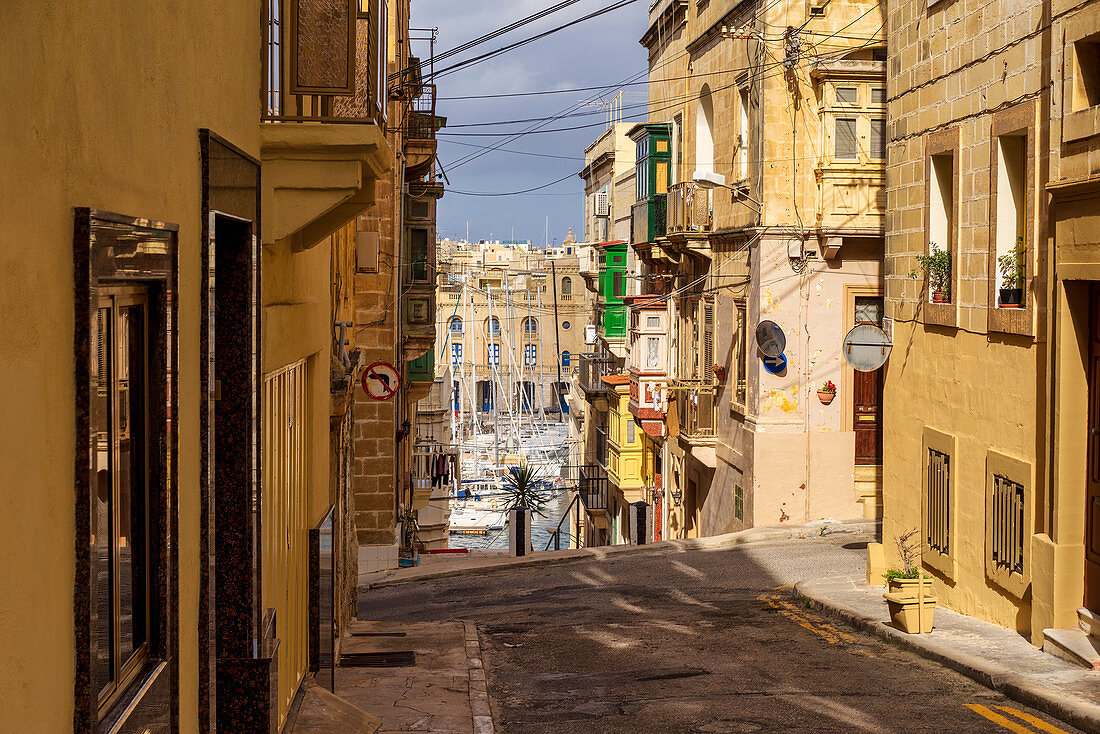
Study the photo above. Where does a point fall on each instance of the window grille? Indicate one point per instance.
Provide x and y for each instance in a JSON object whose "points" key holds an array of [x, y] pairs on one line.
{"points": [[1008, 524], [938, 501], [738, 502]]}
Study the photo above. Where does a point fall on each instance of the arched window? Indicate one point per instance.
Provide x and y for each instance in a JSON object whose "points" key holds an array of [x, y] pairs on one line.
{"points": [[456, 325], [704, 135], [565, 359], [494, 325], [567, 286], [530, 326]]}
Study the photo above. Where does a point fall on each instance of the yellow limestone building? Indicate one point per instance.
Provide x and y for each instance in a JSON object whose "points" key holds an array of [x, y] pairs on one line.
{"points": [[176, 432], [759, 181], [991, 390]]}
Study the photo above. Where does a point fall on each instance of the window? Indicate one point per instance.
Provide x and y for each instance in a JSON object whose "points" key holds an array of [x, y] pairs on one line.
{"points": [[565, 359], [938, 502], [641, 169], [878, 138], [677, 146], [941, 216], [274, 58], [1010, 218], [530, 355], [743, 137], [844, 140], [530, 326], [653, 322], [418, 255], [617, 285], [652, 351], [567, 286], [120, 523], [493, 355], [704, 133], [456, 354], [456, 397], [1008, 524], [494, 325], [565, 325], [878, 95], [631, 436], [456, 325], [738, 502], [740, 352], [381, 89], [1086, 72], [847, 95]]}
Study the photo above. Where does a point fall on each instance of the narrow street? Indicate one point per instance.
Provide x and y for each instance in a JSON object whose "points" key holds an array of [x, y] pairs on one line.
{"points": [[696, 641]]}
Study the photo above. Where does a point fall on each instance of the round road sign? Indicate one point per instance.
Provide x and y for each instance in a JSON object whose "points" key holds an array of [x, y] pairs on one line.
{"points": [[866, 348], [770, 339], [381, 381], [775, 365]]}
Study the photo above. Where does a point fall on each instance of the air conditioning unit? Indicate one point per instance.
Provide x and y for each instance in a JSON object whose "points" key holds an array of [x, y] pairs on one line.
{"points": [[603, 204], [590, 334]]}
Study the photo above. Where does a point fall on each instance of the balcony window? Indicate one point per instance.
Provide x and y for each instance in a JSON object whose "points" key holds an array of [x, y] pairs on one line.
{"points": [[492, 355], [847, 96], [743, 138], [740, 352], [565, 356], [418, 255], [530, 355], [456, 325], [704, 133], [494, 325], [530, 326], [844, 139], [456, 354], [567, 286], [878, 138], [652, 351]]}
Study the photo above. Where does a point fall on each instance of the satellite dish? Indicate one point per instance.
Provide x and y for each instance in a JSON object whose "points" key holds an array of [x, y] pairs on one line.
{"points": [[866, 348], [770, 339]]}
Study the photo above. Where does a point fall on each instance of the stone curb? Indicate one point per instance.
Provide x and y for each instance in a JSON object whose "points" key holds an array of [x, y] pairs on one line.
{"points": [[1081, 714], [553, 558]]}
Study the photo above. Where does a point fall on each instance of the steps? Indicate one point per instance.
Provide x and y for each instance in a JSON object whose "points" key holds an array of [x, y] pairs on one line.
{"points": [[1079, 645]]}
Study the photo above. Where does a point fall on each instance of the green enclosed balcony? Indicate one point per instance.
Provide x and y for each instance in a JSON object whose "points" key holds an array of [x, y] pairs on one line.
{"points": [[422, 369]]}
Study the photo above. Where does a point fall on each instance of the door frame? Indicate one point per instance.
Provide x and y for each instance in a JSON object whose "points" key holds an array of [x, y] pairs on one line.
{"points": [[852, 291]]}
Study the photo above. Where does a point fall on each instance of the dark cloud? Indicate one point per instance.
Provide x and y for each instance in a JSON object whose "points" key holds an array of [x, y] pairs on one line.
{"points": [[602, 51]]}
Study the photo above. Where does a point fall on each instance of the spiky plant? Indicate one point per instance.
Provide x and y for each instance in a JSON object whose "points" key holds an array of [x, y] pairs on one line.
{"points": [[521, 486]]}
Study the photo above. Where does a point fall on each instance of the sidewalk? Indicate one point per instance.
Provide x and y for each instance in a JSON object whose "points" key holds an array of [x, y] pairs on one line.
{"points": [[994, 656], [487, 561]]}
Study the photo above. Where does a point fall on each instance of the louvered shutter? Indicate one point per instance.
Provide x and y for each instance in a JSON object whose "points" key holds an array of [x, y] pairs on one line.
{"points": [[706, 412], [845, 139], [708, 340], [878, 138]]}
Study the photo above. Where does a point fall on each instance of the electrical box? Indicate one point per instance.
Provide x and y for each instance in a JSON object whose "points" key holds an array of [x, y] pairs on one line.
{"points": [[366, 252], [590, 334]]}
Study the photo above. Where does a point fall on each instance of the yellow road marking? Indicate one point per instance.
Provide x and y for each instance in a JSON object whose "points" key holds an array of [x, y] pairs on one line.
{"points": [[803, 619], [998, 719], [1033, 720]]}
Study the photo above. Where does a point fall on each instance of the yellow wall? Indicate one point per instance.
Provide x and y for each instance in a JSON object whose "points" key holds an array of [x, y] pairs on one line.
{"points": [[130, 146]]}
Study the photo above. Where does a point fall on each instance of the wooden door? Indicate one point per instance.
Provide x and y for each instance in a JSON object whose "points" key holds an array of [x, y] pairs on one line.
{"points": [[1092, 489], [867, 395]]}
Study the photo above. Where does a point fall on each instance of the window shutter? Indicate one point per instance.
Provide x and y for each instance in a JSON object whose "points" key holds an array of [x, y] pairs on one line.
{"points": [[847, 95], [706, 411], [381, 89], [878, 138], [323, 46], [618, 285], [845, 139], [708, 340]]}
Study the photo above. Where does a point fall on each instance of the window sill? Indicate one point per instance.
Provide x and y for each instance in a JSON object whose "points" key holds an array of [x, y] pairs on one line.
{"points": [[1081, 125], [131, 700]]}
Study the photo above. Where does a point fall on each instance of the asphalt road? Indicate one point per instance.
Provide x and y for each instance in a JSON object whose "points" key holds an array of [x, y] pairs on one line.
{"points": [[695, 641]]}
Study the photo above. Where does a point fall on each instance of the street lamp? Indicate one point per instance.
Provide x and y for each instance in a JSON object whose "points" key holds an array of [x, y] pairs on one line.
{"points": [[709, 180]]}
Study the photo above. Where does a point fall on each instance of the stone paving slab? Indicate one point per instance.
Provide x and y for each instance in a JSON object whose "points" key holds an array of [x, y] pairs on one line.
{"points": [[490, 561], [996, 657], [444, 692]]}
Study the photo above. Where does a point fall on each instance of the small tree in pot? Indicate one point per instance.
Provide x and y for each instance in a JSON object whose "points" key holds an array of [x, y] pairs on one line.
{"points": [[937, 266], [1013, 267], [522, 487]]}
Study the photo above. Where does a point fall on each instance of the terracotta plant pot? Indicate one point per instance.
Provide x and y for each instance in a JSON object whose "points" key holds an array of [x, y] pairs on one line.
{"points": [[939, 297], [908, 587], [1012, 297], [906, 616], [825, 397]]}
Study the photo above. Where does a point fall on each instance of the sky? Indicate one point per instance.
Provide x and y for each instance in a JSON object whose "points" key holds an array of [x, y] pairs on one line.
{"points": [[599, 52]]}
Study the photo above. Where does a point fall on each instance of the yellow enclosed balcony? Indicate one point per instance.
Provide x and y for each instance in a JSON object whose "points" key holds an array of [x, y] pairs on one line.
{"points": [[322, 138]]}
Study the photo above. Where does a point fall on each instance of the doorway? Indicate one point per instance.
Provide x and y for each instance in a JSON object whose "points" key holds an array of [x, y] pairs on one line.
{"points": [[1092, 484], [867, 393]]}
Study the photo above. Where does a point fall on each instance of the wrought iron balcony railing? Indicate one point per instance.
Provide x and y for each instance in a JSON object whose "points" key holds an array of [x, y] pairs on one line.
{"points": [[689, 208]]}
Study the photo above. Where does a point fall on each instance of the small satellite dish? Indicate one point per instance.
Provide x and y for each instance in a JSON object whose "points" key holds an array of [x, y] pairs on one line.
{"points": [[770, 339], [775, 365], [866, 348]]}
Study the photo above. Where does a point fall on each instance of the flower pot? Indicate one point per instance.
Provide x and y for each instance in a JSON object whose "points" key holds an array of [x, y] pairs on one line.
{"points": [[1012, 297], [909, 615], [908, 587], [825, 397], [939, 297]]}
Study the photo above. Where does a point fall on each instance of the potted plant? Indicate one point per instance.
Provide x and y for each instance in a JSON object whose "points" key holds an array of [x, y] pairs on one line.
{"points": [[904, 580], [522, 485], [1013, 269], [827, 392], [937, 266], [912, 614]]}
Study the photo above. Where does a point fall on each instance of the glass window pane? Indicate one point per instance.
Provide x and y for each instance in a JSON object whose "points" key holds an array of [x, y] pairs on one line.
{"points": [[418, 254], [878, 95], [130, 541], [845, 139], [868, 310], [102, 663], [847, 95], [653, 351]]}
